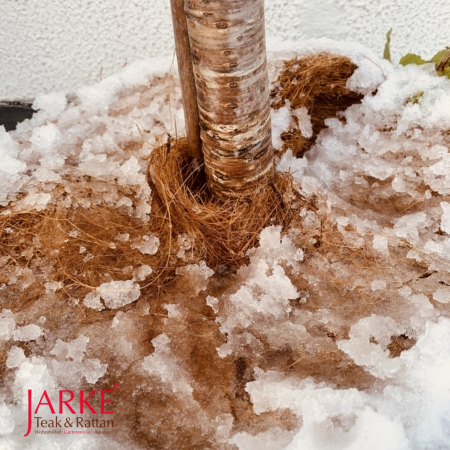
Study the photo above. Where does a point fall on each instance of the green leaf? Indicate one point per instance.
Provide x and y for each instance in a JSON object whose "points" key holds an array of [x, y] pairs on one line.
{"points": [[442, 61], [437, 58], [387, 47], [446, 71], [411, 58], [415, 98]]}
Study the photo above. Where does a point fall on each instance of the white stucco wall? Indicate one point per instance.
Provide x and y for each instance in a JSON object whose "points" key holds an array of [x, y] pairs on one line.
{"points": [[48, 45]]}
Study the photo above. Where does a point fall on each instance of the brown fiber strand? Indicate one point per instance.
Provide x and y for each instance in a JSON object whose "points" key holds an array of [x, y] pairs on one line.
{"points": [[318, 83], [221, 232]]}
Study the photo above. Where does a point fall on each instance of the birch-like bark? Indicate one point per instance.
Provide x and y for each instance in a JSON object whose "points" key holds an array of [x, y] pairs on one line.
{"points": [[187, 80], [227, 39]]}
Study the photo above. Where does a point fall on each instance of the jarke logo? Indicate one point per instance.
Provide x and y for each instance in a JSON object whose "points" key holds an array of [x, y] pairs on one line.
{"points": [[65, 424]]}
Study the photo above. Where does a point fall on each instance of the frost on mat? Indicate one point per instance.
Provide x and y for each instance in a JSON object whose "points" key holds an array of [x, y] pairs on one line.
{"points": [[410, 411], [261, 304], [382, 170], [62, 366], [148, 245], [197, 274], [114, 294], [98, 135], [334, 335]]}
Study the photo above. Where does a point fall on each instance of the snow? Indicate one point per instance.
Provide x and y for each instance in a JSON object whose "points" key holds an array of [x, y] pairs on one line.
{"points": [[16, 356], [371, 72], [381, 174], [34, 201], [198, 275], [378, 284], [27, 333], [142, 272], [165, 367], [74, 350], [442, 295], [281, 121], [445, 219], [394, 417], [53, 286], [213, 302], [53, 104], [262, 298], [7, 324], [92, 300], [380, 243], [184, 244], [148, 245], [115, 294], [123, 237], [288, 163], [304, 121]]}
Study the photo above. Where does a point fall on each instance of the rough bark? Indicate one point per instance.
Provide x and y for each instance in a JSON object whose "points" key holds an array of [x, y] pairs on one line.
{"points": [[227, 40], [187, 81]]}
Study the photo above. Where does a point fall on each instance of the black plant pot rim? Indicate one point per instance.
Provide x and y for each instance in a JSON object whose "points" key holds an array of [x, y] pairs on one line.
{"points": [[14, 112]]}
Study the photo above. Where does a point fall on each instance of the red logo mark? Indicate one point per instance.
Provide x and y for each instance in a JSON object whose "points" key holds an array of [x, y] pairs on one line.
{"points": [[116, 386]]}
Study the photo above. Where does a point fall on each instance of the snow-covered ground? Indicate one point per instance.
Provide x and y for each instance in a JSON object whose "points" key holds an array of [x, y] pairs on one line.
{"points": [[380, 176]]}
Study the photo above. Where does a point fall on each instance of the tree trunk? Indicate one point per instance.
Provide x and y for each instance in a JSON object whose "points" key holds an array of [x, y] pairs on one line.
{"points": [[187, 81], [227, 40]]}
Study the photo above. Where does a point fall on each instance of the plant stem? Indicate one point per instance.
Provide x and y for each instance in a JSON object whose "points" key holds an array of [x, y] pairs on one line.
{"points": [[227, 39], [187, 81]]}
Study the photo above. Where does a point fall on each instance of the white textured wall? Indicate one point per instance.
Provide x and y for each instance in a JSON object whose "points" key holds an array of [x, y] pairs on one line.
{"points": [[48, 45]]}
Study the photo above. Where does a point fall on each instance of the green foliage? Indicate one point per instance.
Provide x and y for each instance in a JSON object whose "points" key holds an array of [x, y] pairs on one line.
{"points": [[387, 47], [445, 72], [441, 61], [411, 58], [437, 58], [415, 98]]}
